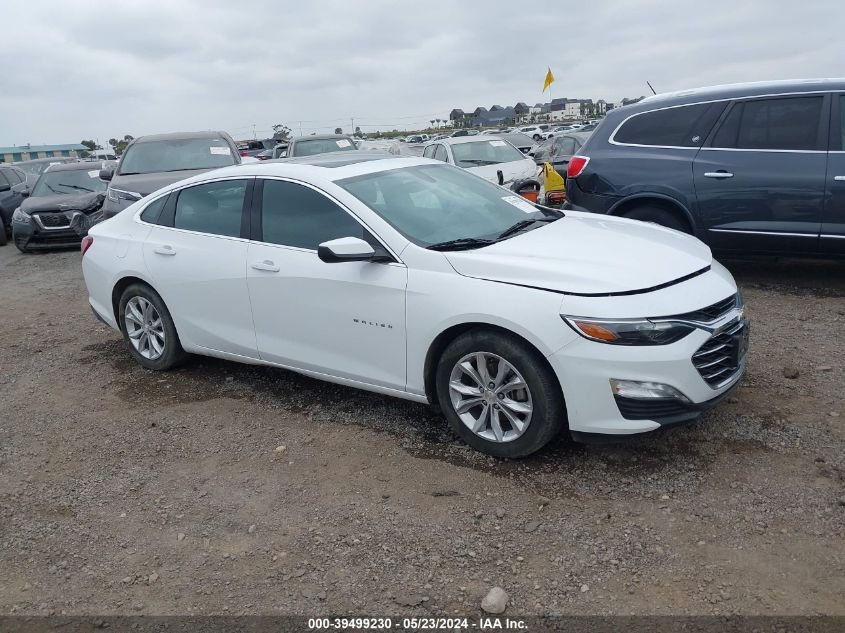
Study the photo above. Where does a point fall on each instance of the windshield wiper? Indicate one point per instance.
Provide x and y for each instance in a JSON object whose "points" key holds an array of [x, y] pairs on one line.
{"points": [[61, 184], [478, 161], [460, 244], [523, 224]]}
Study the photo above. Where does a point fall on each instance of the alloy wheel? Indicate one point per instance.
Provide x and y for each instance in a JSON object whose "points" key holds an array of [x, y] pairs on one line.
{"points": [[490, 397], [144, 327]]}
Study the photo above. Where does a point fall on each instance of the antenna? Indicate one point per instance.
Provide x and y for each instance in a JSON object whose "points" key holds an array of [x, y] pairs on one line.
{"points": [[650, 86]]}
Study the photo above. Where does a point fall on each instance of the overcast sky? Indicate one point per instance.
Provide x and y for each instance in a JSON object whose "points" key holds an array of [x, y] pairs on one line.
{"points": [[100, 69]]}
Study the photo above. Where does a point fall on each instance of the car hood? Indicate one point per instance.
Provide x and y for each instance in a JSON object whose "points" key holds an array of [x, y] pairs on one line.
{"points": [[85, 202], [511, 171], [588, 255], [145, 184]]}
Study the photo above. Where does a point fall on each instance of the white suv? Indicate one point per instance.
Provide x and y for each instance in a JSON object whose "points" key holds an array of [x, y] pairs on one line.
{"points": [[536, 132], [413, 278]]}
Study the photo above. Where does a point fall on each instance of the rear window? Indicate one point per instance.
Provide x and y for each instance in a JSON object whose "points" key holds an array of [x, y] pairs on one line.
{"points": [[480, 153], [322, 146], [787, 124], [682, 126]]}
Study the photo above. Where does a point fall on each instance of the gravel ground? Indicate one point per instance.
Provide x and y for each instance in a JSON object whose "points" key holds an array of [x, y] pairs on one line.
{"points": [[224, 488]]}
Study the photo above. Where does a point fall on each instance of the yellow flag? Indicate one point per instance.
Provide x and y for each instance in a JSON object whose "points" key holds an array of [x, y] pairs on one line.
{"points": [[549, 79]]}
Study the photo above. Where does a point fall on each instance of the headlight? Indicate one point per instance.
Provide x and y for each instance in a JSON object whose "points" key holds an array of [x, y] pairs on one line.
{"points": [[20, 216], [629, 332], [118, 195]]}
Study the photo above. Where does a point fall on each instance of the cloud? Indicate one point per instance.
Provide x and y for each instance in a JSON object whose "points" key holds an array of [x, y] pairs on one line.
{"points": [[102, 69]]}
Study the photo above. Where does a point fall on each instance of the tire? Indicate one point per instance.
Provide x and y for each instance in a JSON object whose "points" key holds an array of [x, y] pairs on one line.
{"points": [[3, 238], [536, 137], [543, 397], [661, 216], [162, 351]]}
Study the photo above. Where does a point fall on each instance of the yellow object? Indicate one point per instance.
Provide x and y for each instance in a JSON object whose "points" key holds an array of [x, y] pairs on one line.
{"points": [[549, 79], [552, 180]]}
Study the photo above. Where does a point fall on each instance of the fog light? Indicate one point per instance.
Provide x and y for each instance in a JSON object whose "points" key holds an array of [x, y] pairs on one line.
{"points": [[645, 390]]}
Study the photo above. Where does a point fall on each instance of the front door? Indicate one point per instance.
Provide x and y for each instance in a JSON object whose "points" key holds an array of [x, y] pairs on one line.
{"points": [[759, 179], [342, 319], [197, 257]]}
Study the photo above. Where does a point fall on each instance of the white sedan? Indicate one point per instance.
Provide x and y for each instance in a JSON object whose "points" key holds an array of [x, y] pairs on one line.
{"points": [[485, 156], [409, 277]]}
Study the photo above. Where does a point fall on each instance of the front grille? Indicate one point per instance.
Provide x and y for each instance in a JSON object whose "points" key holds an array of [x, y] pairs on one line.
{"points": [[721, 356], [53, 220], [710, 313], [650, 408]]}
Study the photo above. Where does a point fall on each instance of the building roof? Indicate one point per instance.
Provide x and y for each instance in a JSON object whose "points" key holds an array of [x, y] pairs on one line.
{"points": [[17, 149]]}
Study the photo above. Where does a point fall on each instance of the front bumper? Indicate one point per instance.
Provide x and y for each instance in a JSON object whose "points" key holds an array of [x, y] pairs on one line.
{"points": [[53, 230], [586, 367]]}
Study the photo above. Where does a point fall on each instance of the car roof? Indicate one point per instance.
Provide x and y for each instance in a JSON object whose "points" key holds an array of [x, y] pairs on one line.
{"points": [[733, 91], [477, 138], [81, 166], [333, 160], [320, 137], [150, 138], [50, 159]]}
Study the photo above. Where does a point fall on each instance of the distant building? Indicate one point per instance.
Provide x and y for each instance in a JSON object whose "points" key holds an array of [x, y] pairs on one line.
{"points": [[29, 152]]}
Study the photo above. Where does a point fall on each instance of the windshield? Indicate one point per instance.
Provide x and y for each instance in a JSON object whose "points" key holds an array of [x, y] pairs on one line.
{"points": [[322, 146], [176, 155], [36, 169], [68, 182], [430, 204], [480, 153]]}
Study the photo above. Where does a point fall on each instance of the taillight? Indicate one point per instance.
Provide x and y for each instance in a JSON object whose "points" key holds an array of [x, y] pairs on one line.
{"points": [[576, 166], [86, 243], [243, 153]]}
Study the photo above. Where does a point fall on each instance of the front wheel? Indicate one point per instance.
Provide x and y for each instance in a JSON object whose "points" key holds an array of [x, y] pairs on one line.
{"points": [[537, 137], [498, 394], [148, 328]]}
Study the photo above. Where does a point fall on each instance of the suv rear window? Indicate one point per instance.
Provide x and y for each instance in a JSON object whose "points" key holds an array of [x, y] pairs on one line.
{"points": [[791, 124], [682, 126]]}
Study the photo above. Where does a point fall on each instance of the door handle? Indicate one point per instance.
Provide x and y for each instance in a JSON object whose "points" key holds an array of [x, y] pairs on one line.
{"points": [[267, 265], [164, 250], [718, 174], [839, 178]]}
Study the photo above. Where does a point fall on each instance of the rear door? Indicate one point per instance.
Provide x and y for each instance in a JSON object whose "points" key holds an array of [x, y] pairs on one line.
{"points": [[196, 255], [759, 179], [832, 239]]}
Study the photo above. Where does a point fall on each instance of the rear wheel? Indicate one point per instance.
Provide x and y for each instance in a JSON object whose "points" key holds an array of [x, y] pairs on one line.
{"points": [[498, 394], [148, 328], [537, 137], [659, 215], [3, 238]]}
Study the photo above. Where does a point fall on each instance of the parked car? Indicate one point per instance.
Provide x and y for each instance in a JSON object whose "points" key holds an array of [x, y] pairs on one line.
{"points": [[267, 154], [412, 278], [66, 201], [12, 189], [519, 140], [35, 167], [485, 156], [100, 154], [535, 131], [748, 168], [318, 144], [558, 150], [414, 138], [151, 162], [256, 147]]}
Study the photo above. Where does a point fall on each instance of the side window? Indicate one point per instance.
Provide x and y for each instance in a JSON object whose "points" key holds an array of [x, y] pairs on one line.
{"points": [[428, 152], [295, 215], [565, 146], [3, 179], [842, 121], [790, 123], [682, 126], [153, 211], [215, 207], [440, 153]]}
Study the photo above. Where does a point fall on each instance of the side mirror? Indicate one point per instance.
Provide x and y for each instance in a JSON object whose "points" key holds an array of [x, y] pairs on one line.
{"points": [[25, 191], [107, 173], [345, 249]]}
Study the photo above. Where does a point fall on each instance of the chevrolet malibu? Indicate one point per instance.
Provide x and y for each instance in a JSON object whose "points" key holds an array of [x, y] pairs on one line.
{"points": [[413, 278]]}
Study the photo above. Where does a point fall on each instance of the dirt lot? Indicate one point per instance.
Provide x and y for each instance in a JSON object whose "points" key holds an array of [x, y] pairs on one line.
{"points": [[126, 491]]}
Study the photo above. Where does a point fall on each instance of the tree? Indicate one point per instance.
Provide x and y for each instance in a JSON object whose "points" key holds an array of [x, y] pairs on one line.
{"points": [[120, 145], [281, 132], [358, 131], [338, 130], [432, 122], [91, 145]]}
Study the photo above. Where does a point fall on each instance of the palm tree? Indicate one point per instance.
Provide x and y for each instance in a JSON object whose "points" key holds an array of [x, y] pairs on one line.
{"points": [[438, 122], [432, 122]]}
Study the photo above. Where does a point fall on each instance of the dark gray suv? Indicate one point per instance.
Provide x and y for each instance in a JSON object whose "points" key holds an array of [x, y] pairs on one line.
{"points": [[747, 168]]}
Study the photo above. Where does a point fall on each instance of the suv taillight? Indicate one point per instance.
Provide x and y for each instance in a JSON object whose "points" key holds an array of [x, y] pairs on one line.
{"points": [[576, 166], [86, 243]]}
